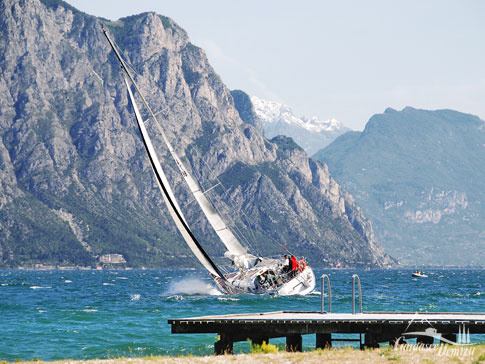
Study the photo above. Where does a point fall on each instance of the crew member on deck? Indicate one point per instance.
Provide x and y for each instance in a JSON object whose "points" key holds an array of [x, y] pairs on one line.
{"points": [[294, 266], [286, 267]]}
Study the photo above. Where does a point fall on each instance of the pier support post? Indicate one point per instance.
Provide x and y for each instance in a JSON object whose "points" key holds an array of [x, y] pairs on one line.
{"points": [[370, 340], [323, 341], [451, 337], [294, 343], [425, 340], [223, 345]]}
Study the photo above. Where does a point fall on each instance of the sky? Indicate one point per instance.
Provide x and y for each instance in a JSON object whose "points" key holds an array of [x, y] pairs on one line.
{"points": [[341, 59]]}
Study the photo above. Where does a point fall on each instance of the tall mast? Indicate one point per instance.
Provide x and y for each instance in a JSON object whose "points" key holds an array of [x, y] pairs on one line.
{"points": [[162, 181]]}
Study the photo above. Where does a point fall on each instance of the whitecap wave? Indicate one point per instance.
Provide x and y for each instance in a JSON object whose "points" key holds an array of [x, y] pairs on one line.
{"points": [[40, 287], [192, 286], [135, 297], [176, 297], [227, 299]]}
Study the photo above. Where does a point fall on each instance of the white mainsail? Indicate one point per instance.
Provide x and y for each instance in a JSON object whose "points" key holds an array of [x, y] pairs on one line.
{"points": [[224, 233], [235, 251], [168, 195]]}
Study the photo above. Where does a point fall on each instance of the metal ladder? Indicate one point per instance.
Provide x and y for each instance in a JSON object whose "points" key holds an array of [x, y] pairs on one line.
{"points": [[329, 293], [324, 278], [354, 278]]}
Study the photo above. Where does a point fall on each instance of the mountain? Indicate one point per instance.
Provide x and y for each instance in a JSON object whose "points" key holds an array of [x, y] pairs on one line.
{"points": [[312, 134], [75, 181], [419, 176], [246, 110]]}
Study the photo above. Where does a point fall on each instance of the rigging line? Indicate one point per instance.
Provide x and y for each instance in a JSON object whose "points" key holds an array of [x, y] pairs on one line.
{"points": [[238, 230], [247, 221], [203, 191], [244, 219], [128, 64], [232, 223], [156, 114], [211, 188], [267, 236]]}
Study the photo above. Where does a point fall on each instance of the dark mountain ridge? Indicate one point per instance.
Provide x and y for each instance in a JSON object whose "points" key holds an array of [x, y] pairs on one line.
{"points": [[419, 176], [75, 180]]}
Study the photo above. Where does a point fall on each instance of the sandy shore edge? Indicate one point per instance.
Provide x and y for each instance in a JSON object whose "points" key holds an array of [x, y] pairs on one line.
{"points": [[445, 355]]}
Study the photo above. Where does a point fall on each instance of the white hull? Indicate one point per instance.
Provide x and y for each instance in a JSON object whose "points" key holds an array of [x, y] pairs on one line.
{"points": [[284, 283]]}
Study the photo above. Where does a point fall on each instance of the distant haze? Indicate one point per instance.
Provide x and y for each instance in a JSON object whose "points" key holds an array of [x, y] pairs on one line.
{"points": [[346, 60]]}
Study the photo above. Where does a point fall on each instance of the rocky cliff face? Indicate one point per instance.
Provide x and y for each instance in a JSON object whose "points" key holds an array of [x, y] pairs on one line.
{"points": [[419, 175], [75, 182]]}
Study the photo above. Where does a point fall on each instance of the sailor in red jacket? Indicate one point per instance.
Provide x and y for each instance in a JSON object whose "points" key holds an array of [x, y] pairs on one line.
{"points": [[294, 265]]}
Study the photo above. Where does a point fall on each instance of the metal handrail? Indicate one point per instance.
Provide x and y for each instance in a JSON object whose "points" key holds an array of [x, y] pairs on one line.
{"points": [[355, 276], [329, 293]]}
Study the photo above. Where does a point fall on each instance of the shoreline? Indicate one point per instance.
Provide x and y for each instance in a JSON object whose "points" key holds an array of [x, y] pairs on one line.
{"points": [[113, 268], [346, 355]]}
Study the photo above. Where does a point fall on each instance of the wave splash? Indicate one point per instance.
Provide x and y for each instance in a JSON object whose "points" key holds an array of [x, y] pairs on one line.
{"points": [[192, 286]]}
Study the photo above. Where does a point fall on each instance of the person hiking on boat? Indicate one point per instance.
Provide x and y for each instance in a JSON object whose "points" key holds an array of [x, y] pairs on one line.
{"points": [[294, 266], [269, 277], [263, 280], [259, 281]]}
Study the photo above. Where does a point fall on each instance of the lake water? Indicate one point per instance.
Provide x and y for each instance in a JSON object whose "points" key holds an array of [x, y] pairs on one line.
{"points": [[99, 314]]}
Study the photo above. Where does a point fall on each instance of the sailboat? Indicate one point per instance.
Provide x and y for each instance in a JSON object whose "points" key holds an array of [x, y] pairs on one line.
{"points": [[253, 274]]}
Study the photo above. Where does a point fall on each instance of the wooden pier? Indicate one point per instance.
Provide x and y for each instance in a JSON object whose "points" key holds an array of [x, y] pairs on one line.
{"points": [[373, 327]]}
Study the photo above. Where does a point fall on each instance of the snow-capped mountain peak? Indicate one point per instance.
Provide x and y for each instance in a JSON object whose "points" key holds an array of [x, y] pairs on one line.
{"points": [[270, 111], [317, 125], [311, 134]]}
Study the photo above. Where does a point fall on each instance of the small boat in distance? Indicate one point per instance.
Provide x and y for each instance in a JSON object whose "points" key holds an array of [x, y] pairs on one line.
{"points": [[253, 274], [419, 274]]}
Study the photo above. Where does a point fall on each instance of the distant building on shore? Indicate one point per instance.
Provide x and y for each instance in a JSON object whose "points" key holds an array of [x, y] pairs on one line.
{"points": [[112, 259]]}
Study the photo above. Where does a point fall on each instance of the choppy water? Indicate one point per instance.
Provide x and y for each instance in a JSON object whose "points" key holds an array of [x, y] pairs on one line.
{"points": [[97, 314]]}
